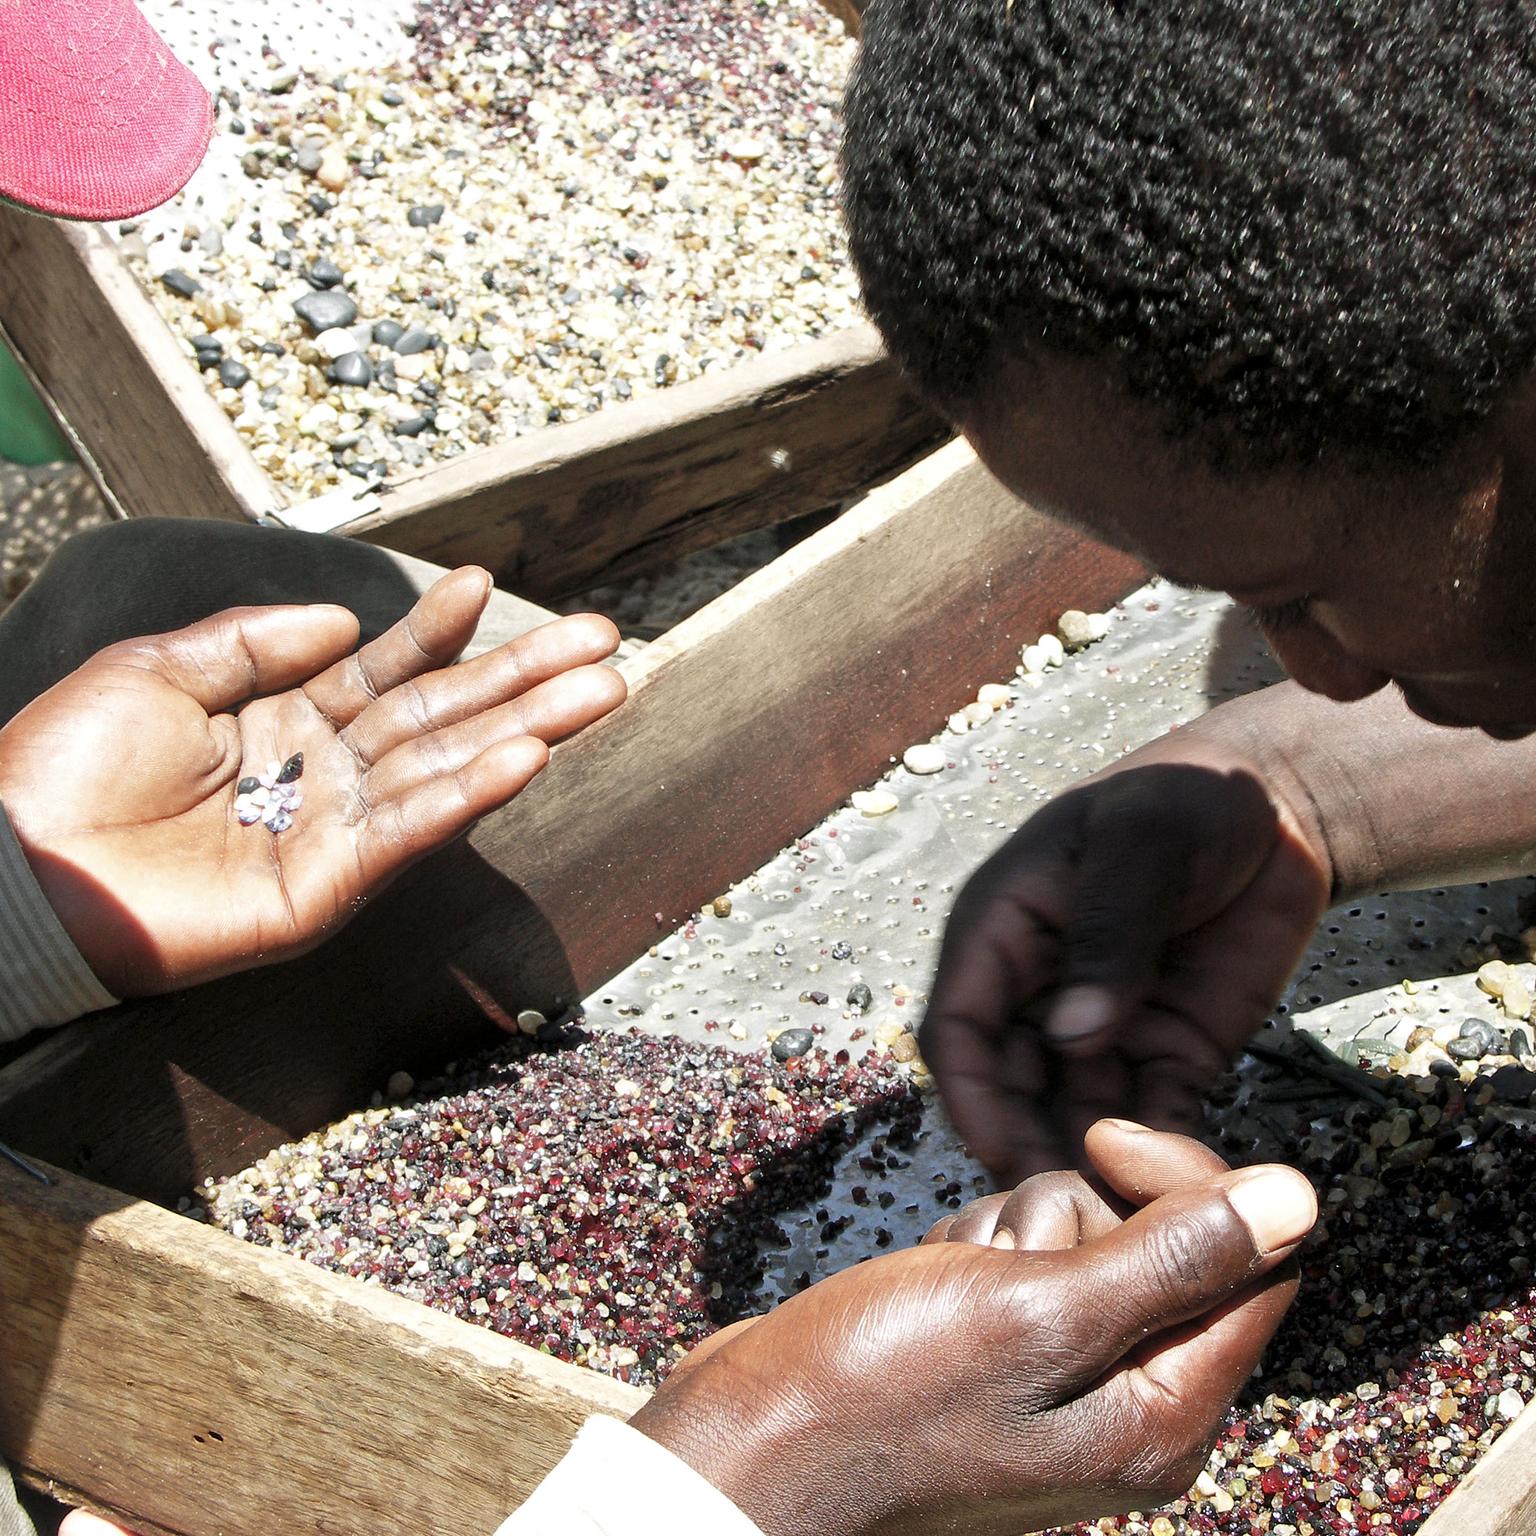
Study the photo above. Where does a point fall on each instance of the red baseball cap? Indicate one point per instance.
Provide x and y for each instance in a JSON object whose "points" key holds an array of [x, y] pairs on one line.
{"points": [[98, 119]]}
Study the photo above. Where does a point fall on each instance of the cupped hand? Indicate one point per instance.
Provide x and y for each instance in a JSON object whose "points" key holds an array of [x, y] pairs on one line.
{"points": [[121, 780], [1114, 955], [979, 1388]]}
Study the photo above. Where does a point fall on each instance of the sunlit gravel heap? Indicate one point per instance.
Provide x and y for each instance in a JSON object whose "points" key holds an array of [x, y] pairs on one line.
{"points": [[605, 1197], [541, 210], [1409, 1348]]}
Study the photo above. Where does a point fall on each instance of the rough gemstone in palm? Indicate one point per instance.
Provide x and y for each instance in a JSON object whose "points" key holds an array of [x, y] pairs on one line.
{"points": [[246, 812], [246, 785], [291, 769]]}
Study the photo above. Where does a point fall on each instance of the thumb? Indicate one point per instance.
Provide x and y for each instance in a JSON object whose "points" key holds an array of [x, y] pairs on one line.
{"points": [[242, 653], [1177, 1259], [1163, 848]]}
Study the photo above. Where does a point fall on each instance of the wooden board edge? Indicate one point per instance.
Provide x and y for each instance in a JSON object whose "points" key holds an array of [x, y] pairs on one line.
{"points": [[157, 439], [639, 484], [1498, 1496], [185, 1379]]}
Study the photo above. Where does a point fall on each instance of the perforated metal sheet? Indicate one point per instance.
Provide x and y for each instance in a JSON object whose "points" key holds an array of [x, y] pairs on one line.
{"points": [[882, 888]]}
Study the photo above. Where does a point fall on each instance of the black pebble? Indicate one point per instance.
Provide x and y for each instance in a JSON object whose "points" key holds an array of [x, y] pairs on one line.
{"points": [[247, 786], [842, 950], [181, 282], [206, 343], [1478, 1038], [284, 259], [792, 1043], [412, 341], [324, 273], [387, 332], [411, 427], [208, 358], [273, 348], [859, 996], [352, 368], [392, 98], [291, 769], [232, 374], [424, 214], [325, 309], [320, 203]]}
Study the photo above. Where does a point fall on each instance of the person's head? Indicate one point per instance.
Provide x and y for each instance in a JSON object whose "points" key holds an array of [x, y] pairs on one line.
{"points": [[1245, 286]]}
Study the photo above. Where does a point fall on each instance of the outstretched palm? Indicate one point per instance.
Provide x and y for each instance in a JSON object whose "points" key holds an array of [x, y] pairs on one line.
{"points": [[121, 780]]}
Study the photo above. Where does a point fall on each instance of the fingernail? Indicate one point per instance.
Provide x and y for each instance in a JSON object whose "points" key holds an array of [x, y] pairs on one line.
{"points": [[1003, 1238], [1129, 1127], [1276, 1205], [1080, 1012]]}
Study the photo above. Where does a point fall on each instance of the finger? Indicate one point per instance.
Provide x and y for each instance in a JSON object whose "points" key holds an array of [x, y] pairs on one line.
{"points": [[552, 711], [975, 1223], [1054, 1211], [242, 653], [440, 624], [80, 1522], [1176, 1259], [434, 813], [450, 695], [1142, 1165], [1155, 851]]}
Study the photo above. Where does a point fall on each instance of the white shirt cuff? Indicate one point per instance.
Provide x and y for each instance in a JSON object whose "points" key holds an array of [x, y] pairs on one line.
{"points": [[615, 1481]]}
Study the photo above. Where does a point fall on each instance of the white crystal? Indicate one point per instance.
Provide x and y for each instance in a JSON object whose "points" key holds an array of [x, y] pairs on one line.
{"points": [[925, 757], [873, 802]]}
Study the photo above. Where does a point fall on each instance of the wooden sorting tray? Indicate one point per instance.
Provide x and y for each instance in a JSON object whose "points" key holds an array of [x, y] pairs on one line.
{"points": [[555, 511]]}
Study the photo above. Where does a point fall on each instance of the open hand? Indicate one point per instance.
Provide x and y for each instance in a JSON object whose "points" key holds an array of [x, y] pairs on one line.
{"points": [[1114, 955], [978, 1388], [120, 781]]}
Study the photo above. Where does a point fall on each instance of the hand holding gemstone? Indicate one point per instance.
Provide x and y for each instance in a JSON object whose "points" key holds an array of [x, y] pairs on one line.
{"points": [[139, 784]]}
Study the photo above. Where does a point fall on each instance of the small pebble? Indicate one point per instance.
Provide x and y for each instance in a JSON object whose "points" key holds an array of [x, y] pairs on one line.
{"points": [[410, 342], [860, 997], [1477, 1039], [399, 1085], [352, 368], [181, 282], [874, 802], [333, 172], [530, 1021], [292, 769], [994, 695], [323, 273], [233, 375], [325, 309], [924, 758], [387, 332], [791, 1043], [721, 906], [424, 214]]}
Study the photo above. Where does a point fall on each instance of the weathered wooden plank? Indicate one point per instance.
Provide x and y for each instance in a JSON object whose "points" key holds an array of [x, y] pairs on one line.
{"points": [[151, 433], [745, 726], [194, 1384], [636, 485], [1498, 1496]]}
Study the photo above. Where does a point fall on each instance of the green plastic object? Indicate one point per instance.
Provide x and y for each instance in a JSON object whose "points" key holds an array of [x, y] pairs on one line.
{"points": [[27, 432]]}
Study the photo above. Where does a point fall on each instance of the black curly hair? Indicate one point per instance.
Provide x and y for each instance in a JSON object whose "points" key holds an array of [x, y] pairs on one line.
{"points": [[1306, 225]]}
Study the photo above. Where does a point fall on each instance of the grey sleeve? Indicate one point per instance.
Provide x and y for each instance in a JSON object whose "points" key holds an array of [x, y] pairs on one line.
{"points": [[43, 978]]}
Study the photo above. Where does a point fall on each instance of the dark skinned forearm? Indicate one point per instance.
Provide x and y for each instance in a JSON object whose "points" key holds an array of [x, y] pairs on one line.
{"points": [[1384, 800]]}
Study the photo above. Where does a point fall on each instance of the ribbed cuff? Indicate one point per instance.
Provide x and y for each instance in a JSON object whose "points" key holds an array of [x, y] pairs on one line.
{"points": [[43, 978], [615, 1481]]}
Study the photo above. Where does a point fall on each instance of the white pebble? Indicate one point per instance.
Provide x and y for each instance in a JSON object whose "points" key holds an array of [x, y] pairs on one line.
{"points": [[1510, 1404], [925, 757], [1052, 649], [994, 695], [977, 713], [958, 723], [1032, 659], [530, 1021], [336, 342], [874, 802]]}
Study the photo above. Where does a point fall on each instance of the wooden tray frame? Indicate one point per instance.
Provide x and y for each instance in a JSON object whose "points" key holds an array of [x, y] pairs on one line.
{"points": [[556, 511]]}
